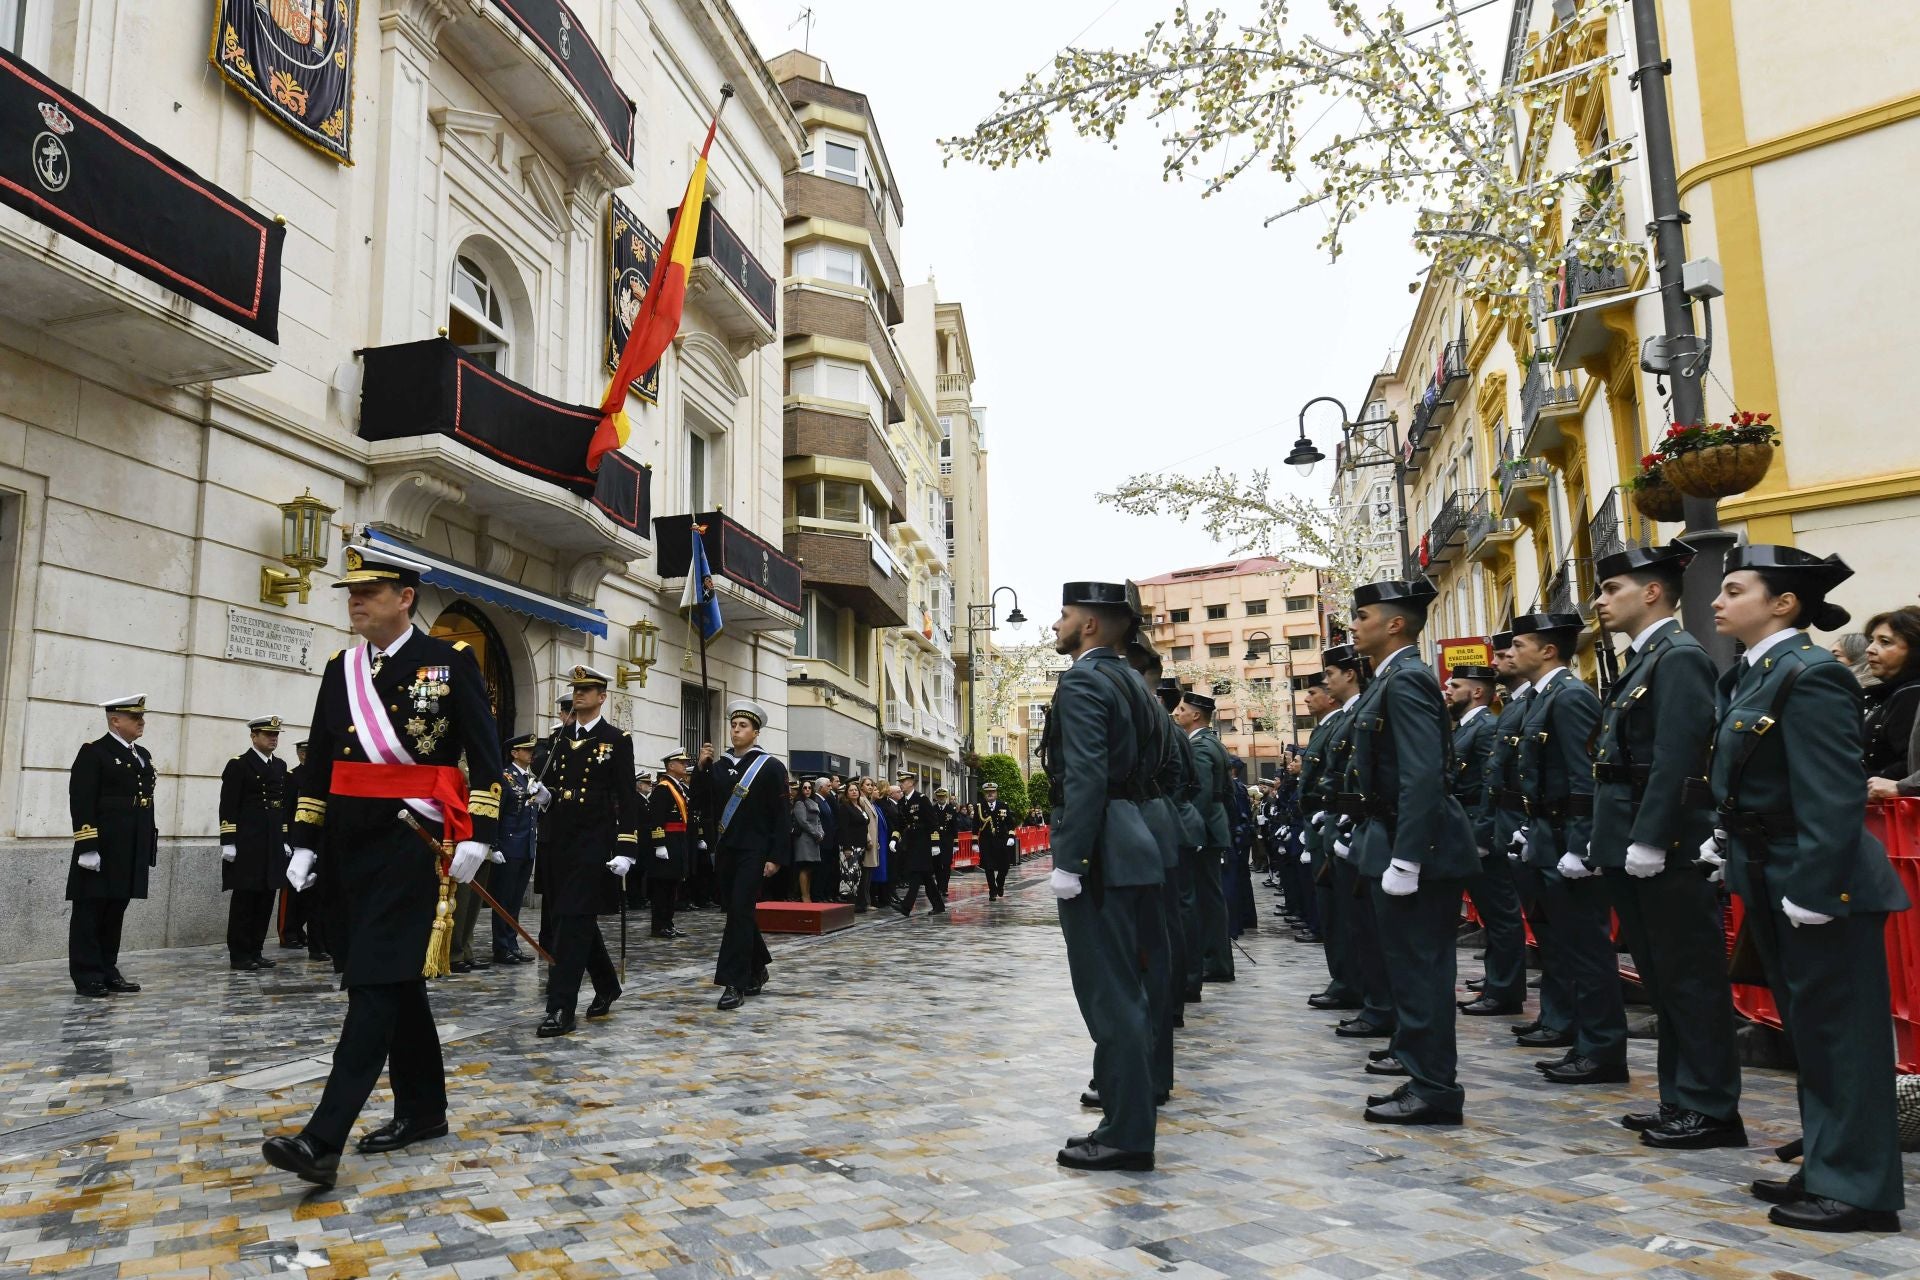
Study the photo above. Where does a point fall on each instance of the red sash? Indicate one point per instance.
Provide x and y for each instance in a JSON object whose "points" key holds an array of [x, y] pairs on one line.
{"points": [[441, 783]]}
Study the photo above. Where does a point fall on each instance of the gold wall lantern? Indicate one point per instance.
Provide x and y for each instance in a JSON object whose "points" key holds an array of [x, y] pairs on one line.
{"points": [[642, 652], [305, 544]]}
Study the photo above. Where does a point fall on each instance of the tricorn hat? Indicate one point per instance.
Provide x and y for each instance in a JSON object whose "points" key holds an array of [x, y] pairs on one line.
{"points": [[1415, 595], [1822, 573], [1200, 700], [1110, 595], [1340, 655], [1528, 624], [1472, 671], [1500, 640], [1673, 557]]}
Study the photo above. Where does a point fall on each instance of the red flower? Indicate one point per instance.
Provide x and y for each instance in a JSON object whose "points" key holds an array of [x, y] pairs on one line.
{"points": [[1651, 460]]}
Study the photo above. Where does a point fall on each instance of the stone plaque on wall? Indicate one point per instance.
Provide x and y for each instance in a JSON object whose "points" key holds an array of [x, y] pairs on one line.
{"points": [[272, 641]]}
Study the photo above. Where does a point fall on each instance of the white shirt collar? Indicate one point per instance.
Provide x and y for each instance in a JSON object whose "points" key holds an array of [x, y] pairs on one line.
{"points": [[1349, 702], [1088, 653], [117, 738], [1640, 641], [1396, 653], [1472, 712], [1547, 680], [264, 757], [394, 648], [586, 726], [1520, 690], [1760, 647], [1195, 732]]}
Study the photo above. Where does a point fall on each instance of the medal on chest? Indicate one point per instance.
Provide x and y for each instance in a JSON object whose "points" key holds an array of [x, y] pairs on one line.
{"points": [[428, 687]]}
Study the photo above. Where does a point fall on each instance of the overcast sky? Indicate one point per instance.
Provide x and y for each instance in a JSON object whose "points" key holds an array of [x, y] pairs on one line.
{"points": [[1118, 323]]}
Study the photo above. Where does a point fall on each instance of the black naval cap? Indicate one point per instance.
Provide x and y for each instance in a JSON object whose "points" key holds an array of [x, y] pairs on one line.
{"points": [[377, 564], [1528, 624], [522, 743], [1473, 671], [1672, 558], [1821, 573], [1414, 595]]}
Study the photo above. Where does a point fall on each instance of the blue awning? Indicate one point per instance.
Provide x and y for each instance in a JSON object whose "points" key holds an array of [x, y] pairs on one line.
{"points": [[466, 581]]}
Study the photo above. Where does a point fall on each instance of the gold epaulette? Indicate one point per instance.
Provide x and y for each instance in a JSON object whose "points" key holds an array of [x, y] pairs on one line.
{"points": [[461, 646], [659, 833]]}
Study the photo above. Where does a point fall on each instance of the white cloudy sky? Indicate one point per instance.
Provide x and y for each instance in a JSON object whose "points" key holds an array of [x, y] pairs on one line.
{"points": [[1118, 323]]}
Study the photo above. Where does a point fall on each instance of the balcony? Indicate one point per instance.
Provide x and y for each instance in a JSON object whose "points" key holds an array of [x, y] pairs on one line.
{"points": [[853, 571], [111, 250], [1411, 569], [897, 718], [1609, 532], [952, 384], [1449, 381], [536, 60], [1583, 335], [731, 284], [758, 585], [445, 428], [1418, 424], [815, 433], [1521, 481], [1449, 528], [824, 200], [1549, 402], [1488, 536], [1570, 589]]}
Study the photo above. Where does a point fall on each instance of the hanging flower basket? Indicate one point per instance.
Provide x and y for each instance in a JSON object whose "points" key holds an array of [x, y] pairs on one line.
{"points": [[1655, 497], [1718, 460]]}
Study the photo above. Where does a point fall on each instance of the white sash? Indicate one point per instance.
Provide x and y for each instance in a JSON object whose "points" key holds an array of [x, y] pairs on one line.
{"points": [[377, 738]]}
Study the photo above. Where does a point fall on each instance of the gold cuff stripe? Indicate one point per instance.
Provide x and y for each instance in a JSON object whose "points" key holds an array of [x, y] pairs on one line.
{"points": [[627, 837], [87, 833], [305, 818], [228, 828]]}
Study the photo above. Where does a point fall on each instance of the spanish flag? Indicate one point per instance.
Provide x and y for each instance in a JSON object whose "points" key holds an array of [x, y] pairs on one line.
{"points": [[659, 317]]}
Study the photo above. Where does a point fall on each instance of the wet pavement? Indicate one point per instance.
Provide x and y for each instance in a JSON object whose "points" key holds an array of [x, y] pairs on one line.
{"points": [[889, 1107]]}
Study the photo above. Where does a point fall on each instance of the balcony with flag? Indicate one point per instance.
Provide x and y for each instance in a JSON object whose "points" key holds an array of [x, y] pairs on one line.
{"points": [[756, 586], [112, 250]]}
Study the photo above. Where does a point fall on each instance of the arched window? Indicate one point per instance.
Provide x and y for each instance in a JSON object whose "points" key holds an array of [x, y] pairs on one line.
{"points": [[477, 317]]}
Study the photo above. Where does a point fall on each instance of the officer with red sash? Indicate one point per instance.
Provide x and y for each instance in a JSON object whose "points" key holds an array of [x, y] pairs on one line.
{"points": [[395, 714]]}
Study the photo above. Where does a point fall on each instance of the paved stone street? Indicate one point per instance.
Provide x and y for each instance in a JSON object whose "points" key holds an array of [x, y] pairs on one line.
{"points": [[890, 1107]]}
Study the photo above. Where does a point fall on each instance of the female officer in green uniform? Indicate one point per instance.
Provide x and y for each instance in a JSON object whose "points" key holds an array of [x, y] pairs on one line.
{"points": [[1817, 887]]}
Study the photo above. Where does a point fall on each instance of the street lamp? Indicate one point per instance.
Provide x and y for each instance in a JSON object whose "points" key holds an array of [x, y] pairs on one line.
{"points": [[1363, 449], [980, 617], [1255, 652]]}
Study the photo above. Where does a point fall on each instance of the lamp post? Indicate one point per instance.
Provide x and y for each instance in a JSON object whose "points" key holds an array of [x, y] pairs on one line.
{"points": [[1255, 654], [1364, 448], [980, 617]]}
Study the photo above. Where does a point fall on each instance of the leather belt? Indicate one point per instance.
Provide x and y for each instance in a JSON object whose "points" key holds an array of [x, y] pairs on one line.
{"points": [[125, 802], [1513, 801], [1574, 806], [1633, 775], [1759, 826]]}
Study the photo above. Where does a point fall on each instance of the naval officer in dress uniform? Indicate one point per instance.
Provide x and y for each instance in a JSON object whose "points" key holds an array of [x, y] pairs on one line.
{"points": [[115, 845], [1650, 813], [1555, 770], [253, 841], [752, 827], [1106, 863], [1817, 887], [1412, 845], [394, 715], [993, 834], [594, 842], [1497, 902], [672, 828]]}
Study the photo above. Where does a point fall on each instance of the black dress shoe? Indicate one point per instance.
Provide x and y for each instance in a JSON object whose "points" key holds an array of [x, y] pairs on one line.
{"points": [[1099, 1157], [1191, 996], [1379, 1055], [293, 942], [298, 1156], [397, 1133], [1548, 1064], [1360, 1029], [261, 962], [121, 985], [1307, 936], [1382, 1099], [1641, 1121], [245, 966], [1527, 1028], [1778, 1190], [1325, 1001], [1692, 1131], [1586, 1071], [732, 998], [319, 955], [558, 1022], [1407, 1109], [463, 966], [1090, 1099], [602, 1005], [1547, 1038], [1476, 984], [92, 990], [759, 982], [1817, 1213], [1487, 1007], [1387, 1066], [1791, 1151]]}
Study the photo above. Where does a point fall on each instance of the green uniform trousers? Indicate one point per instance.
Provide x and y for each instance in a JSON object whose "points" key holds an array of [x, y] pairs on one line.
{"points": [[1671, 922], [1336, 931], [1556, 997], [1579, 944], [1165, 961], [1210, 901], [1104, 944], [1497, 902], [1417, 941], [1192, 952], [1363, 929]]}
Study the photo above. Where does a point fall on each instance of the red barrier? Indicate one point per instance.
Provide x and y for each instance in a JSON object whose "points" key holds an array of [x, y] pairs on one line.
{"points": [[966, 853], [1896, 824]]}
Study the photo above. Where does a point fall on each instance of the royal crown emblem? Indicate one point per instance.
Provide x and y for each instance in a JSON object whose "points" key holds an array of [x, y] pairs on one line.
{"points": [[353, 559], [56, 118]]}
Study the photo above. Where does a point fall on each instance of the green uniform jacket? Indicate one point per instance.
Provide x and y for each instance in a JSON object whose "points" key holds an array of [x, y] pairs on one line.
{"points": [[1317, 775], [1400, 747], [1094, 732], [1210, 765], [1472, 745], [1802, 757], [1493, 825], [1186, 788], [1554, 765], [1652, 725]]}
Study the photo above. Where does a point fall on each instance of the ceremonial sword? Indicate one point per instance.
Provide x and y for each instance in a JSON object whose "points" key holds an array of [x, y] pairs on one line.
{"points": [[406, 816]]}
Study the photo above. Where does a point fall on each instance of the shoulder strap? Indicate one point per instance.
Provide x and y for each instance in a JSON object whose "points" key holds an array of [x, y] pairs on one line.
{"points": [[1127, 686], [740, 790], [1751, 743], [1633, 700]]}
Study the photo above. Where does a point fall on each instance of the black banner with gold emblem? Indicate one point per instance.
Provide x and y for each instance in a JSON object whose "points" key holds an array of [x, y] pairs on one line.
{"points": [[294, 58], [68, 166], [632, 252]]}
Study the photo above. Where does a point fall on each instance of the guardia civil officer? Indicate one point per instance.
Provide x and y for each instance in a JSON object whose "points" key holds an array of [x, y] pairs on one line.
{"points": [[394, 715], [1495, 899], [1343, 989], [1556, 781], [115, 844], [672, 829], [1334, 687], [993, 827], [1502, 813], [913, 826], [1213, 960], [253, 841], [751, 826], [1107, 865], [593, 843], [1349, 676], [1183, 926], [1412, 846], [1650, 813], [1163, 819], [1817, 888]]}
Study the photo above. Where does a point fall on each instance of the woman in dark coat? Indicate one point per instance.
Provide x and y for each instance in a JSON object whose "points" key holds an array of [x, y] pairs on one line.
{"points": [[1893, 658]]}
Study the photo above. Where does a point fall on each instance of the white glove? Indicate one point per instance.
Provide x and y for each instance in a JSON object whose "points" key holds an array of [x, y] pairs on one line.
{"points": [[496, 856], [660, 852], [286, 850], [300, 872], [1064, 884], [703, 846], [1713, 849], [1342, 848], [1800, 915], [1644, 860], [228, 853], [620, 864], [467, 857], [1401, 878], [934, 849], [1306, 858], [89, 862], [1572, 868], [1518, 842], [1483, 851], [1320, 819]]}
